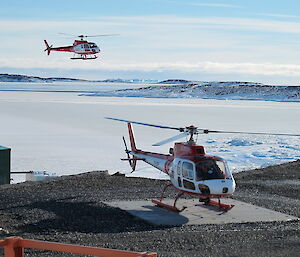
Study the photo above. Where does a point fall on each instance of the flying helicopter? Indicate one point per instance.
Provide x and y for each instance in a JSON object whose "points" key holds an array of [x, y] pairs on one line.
{"points": [[82, 49], [191, 170]]}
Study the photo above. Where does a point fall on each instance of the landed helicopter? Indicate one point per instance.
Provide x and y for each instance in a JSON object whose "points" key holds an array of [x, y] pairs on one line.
{"points": [[82, 49], [190, 169]]}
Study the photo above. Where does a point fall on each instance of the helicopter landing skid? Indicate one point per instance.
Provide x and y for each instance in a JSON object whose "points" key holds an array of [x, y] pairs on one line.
{"points": [[219, 205], [83, 58], [167, 206]]}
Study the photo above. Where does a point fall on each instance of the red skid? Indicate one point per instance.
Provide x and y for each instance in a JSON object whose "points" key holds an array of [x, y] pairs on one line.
{"points": [[167, 206], [222, 206]]}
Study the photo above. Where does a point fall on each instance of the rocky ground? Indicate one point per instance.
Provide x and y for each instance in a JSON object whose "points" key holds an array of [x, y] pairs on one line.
{"points": [[70, 209]]}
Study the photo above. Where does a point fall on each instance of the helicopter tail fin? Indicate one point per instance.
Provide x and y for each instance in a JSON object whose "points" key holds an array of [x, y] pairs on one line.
{"points": [[132, 160], [48, 48], [131, 136]]}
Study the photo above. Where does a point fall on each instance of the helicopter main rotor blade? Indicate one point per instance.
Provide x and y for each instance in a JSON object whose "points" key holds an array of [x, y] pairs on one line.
{"points": [[103, 35], [67, 34], [171, 139], [191, 130], [206, 131], [144, 124]]}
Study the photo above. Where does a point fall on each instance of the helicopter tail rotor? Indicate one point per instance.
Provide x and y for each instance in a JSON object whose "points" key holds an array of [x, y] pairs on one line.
{"points": [[132, 161], [48, 48]]}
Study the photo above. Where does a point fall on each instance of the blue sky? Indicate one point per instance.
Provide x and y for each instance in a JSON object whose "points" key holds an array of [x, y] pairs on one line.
{"points": [[200, 40]]}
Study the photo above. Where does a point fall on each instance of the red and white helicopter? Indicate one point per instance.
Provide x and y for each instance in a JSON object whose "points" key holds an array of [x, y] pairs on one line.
{"points": [[191, 170], [82, 49]]}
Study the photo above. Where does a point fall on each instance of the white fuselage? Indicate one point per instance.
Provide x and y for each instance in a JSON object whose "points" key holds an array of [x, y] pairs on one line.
{"points": [[183, 175], [86, 48]]}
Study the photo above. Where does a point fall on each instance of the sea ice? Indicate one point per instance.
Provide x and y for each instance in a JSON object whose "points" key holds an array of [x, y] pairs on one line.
{"points": [[65, 133]]}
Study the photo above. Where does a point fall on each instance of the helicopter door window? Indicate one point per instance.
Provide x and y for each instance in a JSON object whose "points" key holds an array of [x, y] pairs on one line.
{"points": [[188, 184], [222, 167], [188, 170]]}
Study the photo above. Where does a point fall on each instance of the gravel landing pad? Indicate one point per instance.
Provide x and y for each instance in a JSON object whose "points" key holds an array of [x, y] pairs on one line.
{"points": [[196, 213]]}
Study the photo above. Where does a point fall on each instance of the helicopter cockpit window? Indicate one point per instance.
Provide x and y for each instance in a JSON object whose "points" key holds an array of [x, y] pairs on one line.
{"points": [[92, 45], [188, 170], [210, 169]]}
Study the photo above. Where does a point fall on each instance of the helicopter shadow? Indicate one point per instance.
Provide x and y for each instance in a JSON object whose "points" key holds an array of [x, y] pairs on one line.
{"points": [[158, 216], [195, 213], [68, 215]]}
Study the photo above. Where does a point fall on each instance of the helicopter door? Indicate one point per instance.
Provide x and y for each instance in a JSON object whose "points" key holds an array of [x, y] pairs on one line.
{"points": [[86, 48], [188, 176], [179, 182]]}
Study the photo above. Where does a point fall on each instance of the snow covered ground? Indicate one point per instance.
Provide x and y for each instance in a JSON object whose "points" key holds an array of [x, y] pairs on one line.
{"points": [[217, 90], [56, 128]]}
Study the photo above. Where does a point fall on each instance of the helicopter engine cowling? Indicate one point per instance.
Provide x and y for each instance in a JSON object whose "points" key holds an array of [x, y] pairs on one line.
{"points": [[186, 149]]}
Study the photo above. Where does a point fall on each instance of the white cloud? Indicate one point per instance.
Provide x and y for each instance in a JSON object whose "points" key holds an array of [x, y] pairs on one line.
{"points": [[218, 67], [278, 15], [145, 28], [216, 5], [109, 22], [199, 67], [223, 23], [160, 43]]}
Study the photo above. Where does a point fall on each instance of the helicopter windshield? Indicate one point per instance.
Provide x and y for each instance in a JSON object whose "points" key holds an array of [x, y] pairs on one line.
{"points": [[210, 169]]}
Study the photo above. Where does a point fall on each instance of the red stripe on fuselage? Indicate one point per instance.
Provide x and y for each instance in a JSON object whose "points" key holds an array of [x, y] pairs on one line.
{"points": [[155, 155], [62, 49]]}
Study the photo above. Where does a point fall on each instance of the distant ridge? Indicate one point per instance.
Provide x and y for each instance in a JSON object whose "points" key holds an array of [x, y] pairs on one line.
{"points": [[230, 90], [175, 81], [173, 88], [25, 78]]}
